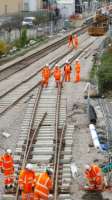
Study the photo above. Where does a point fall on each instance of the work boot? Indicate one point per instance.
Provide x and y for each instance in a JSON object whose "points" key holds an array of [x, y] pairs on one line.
{"points": [[6, 187], [10, 186]]}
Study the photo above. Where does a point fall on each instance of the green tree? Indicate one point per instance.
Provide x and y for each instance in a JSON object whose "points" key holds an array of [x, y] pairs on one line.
{"points": [[23, 38]]}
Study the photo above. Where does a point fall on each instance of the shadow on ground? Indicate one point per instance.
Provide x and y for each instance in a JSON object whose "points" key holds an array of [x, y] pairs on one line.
{"points": [[93, 195]]}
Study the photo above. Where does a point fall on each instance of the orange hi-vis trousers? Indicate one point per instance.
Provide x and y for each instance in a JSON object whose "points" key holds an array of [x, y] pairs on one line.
{"points": [[45, 82], [27, 196], [9, 179], [67, 76], [70, 43], [77, 76], [39, 197]]}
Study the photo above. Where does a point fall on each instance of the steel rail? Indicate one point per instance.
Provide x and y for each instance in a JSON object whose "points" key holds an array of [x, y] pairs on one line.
{"points": [[32, 122], [37, 84], [29, 143], [25, 62], [56, 128], [58, 162], [28, 91]]}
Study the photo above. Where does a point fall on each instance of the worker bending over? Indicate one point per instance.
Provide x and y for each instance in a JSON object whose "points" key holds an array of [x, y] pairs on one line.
{"points": [[43, 184], [57, 75], [45, 75], [77, 70], [67, 71], [75, 41], [94, 177], [70, 41], [26, 182], [7, 167]]}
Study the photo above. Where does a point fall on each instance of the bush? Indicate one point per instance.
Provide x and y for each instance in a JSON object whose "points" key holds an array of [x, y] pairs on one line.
{"points": [[23, 38], [4, 48], [17, 43], [105, 72]]}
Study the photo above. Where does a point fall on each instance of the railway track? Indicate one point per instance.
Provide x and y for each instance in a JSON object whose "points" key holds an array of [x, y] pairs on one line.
{"points": [[45, 123], [6, 72], [11, 97], [51, 143]]}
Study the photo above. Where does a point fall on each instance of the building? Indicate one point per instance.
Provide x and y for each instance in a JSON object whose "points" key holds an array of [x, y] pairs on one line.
{"points": [[10, 6], [67, 7], [15, 6], [32, 5], [78, 6]]}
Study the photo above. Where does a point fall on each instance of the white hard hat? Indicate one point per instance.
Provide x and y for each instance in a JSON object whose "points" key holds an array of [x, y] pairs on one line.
{"points": [[77, 60], [9, 151], [47, 65], [56, 65], [29, 166], [87, 167], [67, 61]]}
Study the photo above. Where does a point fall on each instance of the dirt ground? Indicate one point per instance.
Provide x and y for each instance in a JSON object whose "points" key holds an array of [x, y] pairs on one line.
{"points": [[77, 115]]}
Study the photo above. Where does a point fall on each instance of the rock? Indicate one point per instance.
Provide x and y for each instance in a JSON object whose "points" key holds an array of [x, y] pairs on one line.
{"points": [[5, 134]]}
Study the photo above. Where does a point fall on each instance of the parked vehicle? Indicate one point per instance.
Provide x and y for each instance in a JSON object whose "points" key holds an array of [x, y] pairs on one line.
{"points": [[28, 21]]}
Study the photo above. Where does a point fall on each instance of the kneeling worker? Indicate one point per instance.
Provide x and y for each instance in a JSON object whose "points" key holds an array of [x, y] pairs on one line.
{"points": [[94, 177], [43, 184]]}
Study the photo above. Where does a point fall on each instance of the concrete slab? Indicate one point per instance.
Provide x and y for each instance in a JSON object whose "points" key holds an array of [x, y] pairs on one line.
{"points": [[66, 159], [65, 197], [41, 159], [43, 151], [8, 197]]}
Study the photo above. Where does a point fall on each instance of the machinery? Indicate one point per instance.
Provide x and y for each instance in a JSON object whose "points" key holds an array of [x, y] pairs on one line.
{"points": [[100, 25]]}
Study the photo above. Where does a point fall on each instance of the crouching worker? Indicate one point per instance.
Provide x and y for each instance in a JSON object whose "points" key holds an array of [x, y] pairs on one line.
{"points": [[7, 167], [94, 177], [43, 185], [26, 182]]}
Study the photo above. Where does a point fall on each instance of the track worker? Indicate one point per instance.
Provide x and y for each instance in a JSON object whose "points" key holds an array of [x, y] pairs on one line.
{"points": [[26, 182], [67, 71], [45, 75], [94, 177], [70, 41], [77, 70], [75, 41], [57, 75], [43, 185], [7, 167]]}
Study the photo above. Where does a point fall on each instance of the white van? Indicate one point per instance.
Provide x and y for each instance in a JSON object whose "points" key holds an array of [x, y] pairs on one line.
{"points": [[28, 21]]}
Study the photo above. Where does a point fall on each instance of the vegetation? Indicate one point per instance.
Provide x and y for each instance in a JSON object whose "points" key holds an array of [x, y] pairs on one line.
{"points": [[23, 37], [105, 72], [3, 48]]}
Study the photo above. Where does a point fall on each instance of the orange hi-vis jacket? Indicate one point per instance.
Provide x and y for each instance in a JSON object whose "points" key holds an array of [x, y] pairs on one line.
{"points": [[76, 39], [67, 68], [26, 180], [57, 74], [7, 164], [77, 67], [94, 175], [43, 185], [69, 38], [46, 73]]}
